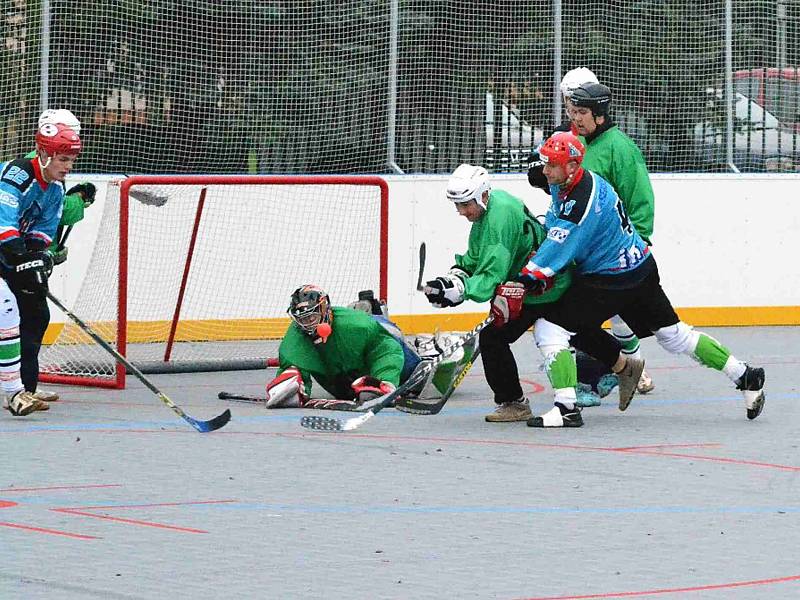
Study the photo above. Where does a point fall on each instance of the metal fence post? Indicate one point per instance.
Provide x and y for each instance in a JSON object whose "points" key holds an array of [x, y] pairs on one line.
{"points": [[392, 113]]}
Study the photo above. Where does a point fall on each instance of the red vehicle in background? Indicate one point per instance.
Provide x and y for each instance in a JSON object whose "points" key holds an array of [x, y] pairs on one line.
{"points": [[776, 90]]}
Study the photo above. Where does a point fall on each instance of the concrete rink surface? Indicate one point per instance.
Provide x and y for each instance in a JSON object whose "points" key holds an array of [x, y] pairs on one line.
{"points": [[110, 495]]}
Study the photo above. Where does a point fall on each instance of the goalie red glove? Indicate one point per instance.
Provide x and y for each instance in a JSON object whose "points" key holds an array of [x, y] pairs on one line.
{"points": [[287, 390], [507, 302], [368, 388]]}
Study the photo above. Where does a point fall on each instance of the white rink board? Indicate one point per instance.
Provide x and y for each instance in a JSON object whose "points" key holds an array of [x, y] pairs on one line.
{"points": [[720, 240]]}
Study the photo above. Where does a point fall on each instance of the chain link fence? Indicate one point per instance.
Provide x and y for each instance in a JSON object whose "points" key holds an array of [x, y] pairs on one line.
{"points": [[373, 86]]}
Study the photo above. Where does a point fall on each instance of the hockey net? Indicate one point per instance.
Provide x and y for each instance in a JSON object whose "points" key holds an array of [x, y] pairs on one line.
{"points": [[194, 273]]}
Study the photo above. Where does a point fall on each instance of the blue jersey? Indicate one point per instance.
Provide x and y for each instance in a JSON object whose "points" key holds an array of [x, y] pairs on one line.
{"points": [[590, 227], [30, 208]]}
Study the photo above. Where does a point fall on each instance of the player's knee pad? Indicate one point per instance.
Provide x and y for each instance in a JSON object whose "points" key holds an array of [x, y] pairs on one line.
{"points": [[678, 339], [9, 312], [550, 338]]}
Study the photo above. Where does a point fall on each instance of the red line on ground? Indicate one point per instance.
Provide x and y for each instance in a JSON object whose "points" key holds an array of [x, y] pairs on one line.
{"points": [[61, 487], [534, 445], [722, 459], [699, 588], [152, 505], [49, 531], [129, 521], [82, 511], [655, 446], [536, 388], [7, 504]]}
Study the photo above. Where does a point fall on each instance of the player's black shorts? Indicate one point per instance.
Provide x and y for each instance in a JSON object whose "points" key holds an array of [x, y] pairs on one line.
{"points": [[640, 301]]}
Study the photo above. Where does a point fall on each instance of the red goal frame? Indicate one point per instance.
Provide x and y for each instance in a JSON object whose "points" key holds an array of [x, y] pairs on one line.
{"points": [[118, 381]]}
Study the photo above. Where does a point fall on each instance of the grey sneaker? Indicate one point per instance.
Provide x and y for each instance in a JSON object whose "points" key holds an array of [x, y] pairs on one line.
{"points": [[628, 381], [46, 396], [509, 412], [23, 403]]}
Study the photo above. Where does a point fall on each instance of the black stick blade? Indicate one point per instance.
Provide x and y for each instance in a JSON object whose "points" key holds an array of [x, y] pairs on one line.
{"points": [[321, 423], [216, 423]]}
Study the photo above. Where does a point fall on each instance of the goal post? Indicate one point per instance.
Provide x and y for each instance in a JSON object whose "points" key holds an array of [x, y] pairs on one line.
{"points": [[194, 272]]}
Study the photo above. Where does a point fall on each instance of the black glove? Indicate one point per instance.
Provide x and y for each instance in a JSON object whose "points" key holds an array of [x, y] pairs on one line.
{"points": [[536, 173], [31, 273], [86, 190]]}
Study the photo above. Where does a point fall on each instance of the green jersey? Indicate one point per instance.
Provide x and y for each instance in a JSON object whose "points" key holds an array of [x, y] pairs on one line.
{"points": [[500, 244], [617, 159], [358, 346]]}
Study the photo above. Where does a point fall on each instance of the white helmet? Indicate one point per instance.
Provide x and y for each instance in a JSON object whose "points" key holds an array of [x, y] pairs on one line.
{"points": [[467, 183], [61, 116], [574, 79]]}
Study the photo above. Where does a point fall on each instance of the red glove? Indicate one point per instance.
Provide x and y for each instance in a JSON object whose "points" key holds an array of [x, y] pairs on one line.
{"points": [[368, 388], [507, 302], [536, 283]]}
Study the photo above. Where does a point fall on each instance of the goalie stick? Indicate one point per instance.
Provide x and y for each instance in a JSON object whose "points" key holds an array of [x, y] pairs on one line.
{"points": [[422, 253], [417, 377], [320, 403], [201, 426], [418, 407]]}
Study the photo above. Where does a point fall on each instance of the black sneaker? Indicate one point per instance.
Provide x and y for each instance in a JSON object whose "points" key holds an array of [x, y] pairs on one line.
{"points": [[751, 384], [558, 416]]}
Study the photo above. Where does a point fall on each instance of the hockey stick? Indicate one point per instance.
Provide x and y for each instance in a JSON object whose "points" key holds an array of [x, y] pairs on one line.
{"points": [[318, 403], [417, 407], [63, 238], [148, 198], [422, 253], [201, 426], [417, 377]]}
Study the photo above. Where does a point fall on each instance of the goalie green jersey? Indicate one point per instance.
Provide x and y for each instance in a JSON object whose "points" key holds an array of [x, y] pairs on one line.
{"points": [[358, 345], [499, 245]]}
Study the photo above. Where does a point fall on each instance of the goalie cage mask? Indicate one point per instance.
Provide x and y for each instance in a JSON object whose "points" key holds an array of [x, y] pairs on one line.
{"points": [[310, 306]]}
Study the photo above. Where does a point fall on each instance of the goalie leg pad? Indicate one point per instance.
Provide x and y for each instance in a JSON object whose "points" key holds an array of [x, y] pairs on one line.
{"points": [[287, 390]]}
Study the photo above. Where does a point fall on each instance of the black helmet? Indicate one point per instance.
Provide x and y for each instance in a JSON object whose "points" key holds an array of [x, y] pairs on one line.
{"points": [[309, 307], [594, 96]]}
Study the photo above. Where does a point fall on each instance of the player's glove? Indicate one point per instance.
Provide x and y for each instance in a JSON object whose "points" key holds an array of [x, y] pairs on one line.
{"points": [[287, 390], [86, 190], [536, 283], [368, 388], [59, 256], [507, 302], [536, 173], [447, 290], [31, 271]]}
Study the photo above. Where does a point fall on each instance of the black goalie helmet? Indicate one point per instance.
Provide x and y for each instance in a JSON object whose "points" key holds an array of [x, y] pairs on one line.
{"points": [[310, 306], [594, 96]]}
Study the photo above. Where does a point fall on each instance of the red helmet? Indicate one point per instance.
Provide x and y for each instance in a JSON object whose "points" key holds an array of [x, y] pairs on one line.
{"points": [[561, 148], [56, 138]]}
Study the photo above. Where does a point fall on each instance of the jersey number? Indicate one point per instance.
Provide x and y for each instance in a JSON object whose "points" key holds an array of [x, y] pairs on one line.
{"points": [[623, 218], [16, 175]]}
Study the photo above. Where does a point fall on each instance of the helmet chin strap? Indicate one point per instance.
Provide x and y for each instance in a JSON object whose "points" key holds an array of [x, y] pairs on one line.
{"points": [[41, 164]]}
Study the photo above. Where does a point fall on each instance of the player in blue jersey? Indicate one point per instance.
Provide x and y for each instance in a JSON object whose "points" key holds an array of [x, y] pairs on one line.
{"points": [[614, 273], [31, 202]]}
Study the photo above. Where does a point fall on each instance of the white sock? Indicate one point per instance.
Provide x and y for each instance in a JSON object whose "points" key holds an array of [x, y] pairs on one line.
{"points": [[734, 368]]}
